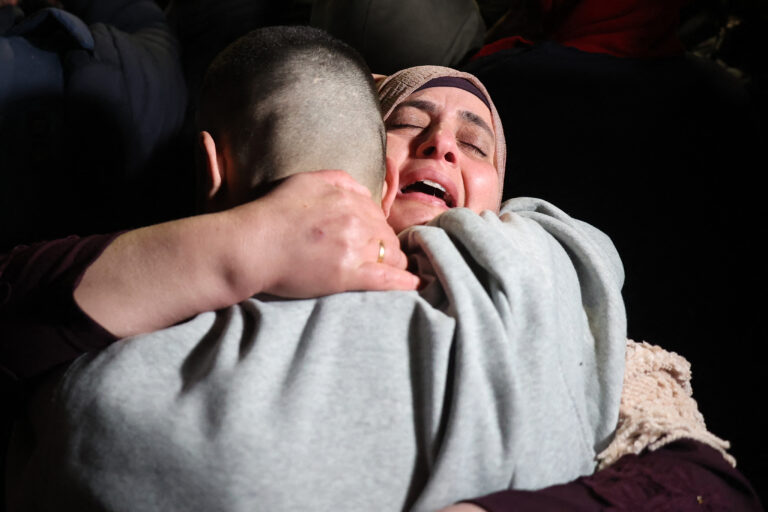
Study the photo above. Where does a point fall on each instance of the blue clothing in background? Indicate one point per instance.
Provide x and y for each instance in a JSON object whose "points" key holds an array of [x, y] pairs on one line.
{"points": [[89, 98]]}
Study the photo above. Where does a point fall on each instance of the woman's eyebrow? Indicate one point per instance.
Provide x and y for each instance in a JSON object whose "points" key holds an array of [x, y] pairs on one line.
{"points": [[476, 120], [426, 106]]}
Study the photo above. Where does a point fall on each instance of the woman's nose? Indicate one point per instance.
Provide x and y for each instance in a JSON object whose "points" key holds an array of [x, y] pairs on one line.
{"points": [[439, 144]]}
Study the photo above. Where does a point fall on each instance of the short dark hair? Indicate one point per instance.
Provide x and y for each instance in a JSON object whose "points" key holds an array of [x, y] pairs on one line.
{"points": [[253, 86]]}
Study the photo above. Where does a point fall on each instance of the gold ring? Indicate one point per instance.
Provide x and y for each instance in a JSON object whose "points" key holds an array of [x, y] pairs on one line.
{"points": [[381, 252]]}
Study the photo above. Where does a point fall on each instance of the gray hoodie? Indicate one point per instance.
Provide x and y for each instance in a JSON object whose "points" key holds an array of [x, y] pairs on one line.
{"points": [[504, 370]]}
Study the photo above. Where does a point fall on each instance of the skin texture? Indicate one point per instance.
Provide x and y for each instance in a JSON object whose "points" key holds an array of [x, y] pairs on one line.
{"points": [[442, 134]]}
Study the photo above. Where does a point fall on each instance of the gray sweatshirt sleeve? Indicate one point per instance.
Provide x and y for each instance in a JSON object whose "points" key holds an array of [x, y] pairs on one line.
{"points": [[539, 342]]}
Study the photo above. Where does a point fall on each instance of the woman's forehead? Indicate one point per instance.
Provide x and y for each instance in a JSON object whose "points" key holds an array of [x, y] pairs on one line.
{"points": [[452, 98]]}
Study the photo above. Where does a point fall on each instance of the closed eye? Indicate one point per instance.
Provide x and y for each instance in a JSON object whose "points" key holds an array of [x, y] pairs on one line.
{"points": [[396, 126], [474, 149], [408, 117], [475, 139]]}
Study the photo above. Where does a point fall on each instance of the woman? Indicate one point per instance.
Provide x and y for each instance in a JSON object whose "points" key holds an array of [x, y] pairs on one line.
{"points": [[426, 142]]}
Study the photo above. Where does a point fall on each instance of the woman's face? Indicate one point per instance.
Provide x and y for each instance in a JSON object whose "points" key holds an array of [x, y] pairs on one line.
{"points": [[440, 141]]}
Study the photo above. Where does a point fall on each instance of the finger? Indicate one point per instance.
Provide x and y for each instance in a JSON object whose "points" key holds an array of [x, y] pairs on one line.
{"points": [[342, 180], [392, 253], [381, 253], [381, 277], [394, 256]]}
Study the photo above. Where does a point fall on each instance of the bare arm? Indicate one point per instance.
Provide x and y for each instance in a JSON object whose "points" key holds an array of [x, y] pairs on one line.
{"points": [[315, 234]]}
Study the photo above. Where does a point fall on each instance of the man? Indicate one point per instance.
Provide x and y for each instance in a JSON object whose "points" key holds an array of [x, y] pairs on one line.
{"points": [[358, 400]]}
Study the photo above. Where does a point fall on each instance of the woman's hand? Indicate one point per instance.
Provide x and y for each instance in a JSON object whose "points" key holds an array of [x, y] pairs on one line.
{"points": [[319, 233]]}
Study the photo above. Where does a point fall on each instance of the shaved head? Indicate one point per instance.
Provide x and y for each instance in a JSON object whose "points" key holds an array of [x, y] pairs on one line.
{"points": [[286, 100]]}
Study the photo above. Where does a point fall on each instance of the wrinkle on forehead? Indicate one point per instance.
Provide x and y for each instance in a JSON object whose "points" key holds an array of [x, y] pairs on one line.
{"points": [[432, 108]]}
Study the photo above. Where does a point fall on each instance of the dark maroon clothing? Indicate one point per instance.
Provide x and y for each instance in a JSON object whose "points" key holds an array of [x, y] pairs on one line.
{"points": [[683, 476], [41, 325]]}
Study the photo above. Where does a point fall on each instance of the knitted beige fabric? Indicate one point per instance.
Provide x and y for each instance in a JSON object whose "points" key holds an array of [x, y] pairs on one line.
{"points": [[397, 87], [656, 405]]}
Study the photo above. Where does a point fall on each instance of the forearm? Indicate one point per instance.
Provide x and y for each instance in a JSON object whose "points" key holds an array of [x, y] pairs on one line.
{"points": [[314, 235], [156, 276], [63, 298]]}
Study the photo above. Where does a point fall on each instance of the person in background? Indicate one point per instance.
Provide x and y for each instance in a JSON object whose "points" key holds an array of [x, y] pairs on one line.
{"points": [[92, 97], [393, 35]]}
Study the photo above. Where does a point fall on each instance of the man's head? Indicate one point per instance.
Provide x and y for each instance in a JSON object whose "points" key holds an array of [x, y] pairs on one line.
{"points": [[284, 100]]}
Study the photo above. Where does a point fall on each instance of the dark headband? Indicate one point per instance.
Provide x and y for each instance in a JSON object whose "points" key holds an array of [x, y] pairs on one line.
{"points": [[459, 83]]}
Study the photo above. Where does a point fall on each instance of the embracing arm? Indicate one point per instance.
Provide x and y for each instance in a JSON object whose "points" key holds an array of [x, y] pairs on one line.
{"points": [[315, 234]]}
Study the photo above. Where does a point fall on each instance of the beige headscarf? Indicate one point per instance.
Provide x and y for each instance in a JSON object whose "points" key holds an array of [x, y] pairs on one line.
{"points": [[397, 87]]}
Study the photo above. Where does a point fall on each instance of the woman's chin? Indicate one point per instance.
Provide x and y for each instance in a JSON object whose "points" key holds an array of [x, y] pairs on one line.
{"points": [[405, 214]]}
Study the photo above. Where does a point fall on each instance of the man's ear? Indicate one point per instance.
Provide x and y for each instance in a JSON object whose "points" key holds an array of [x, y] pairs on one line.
{"points": [[390, 187], [214, 165]]}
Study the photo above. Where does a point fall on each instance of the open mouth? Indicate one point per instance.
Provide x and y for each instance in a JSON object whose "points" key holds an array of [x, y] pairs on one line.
{"points": [[431, 188]]}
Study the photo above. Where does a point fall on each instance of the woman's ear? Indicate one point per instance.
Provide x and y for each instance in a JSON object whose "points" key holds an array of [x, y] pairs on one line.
{"points": [[390, 187], [377, 78], [214, 165]]}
